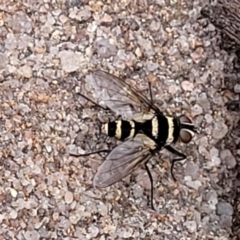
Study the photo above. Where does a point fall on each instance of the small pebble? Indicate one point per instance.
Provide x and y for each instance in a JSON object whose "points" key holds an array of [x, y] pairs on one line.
{"points": [[228, 158], [68, 197], [187, 86], [224, 208], [31, 235]]}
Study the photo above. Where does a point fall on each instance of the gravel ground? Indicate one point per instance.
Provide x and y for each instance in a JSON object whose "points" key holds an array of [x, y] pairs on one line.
{"points": [[46, 50]]}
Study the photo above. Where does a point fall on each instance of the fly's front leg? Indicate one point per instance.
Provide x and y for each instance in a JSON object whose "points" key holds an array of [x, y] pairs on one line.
{"points": [[176, 152]]}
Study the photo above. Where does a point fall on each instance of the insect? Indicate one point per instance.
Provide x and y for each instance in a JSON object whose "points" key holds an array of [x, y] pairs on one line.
{"points": [[143, 128]]}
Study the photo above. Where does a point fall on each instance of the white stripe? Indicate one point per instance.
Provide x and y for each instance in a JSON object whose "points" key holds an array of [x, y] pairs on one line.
{"points": [[155, 127], [105, 128], [132, 132], [118, 132], [170, 137]]}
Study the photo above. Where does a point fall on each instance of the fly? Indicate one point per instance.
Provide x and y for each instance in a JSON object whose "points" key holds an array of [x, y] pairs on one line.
{"points": [[145, 131]]}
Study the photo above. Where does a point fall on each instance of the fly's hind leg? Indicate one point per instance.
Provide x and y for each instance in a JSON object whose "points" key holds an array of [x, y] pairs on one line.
{"points": [[88, 154], [151, 182], [179, 154]]}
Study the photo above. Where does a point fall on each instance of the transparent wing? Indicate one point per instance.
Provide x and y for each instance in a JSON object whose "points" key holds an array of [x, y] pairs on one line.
{"points": [[123, 160], [117, 95]]}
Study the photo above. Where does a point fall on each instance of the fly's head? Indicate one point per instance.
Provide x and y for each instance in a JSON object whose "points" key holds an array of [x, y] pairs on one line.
{"points": [[187, 129]]}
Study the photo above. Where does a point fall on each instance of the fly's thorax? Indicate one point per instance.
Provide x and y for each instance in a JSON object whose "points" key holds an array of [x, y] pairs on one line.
{"points": [[180, 129], [156, 128], [164, 129]]}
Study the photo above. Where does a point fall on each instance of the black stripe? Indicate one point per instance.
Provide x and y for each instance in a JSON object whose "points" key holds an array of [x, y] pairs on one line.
{"points": [[146, 127], [162, 129], [126, 129], [176, 131], [112, 128]]}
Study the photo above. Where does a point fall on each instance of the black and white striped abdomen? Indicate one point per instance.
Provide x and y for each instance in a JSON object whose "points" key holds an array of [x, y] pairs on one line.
{"points": [[120, 129]]}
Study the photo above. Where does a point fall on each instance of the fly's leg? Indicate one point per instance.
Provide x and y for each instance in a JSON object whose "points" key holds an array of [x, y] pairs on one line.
{"points": [[90, 100], [150, 89], [88, 154], [151, 182], [179, 154]]}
